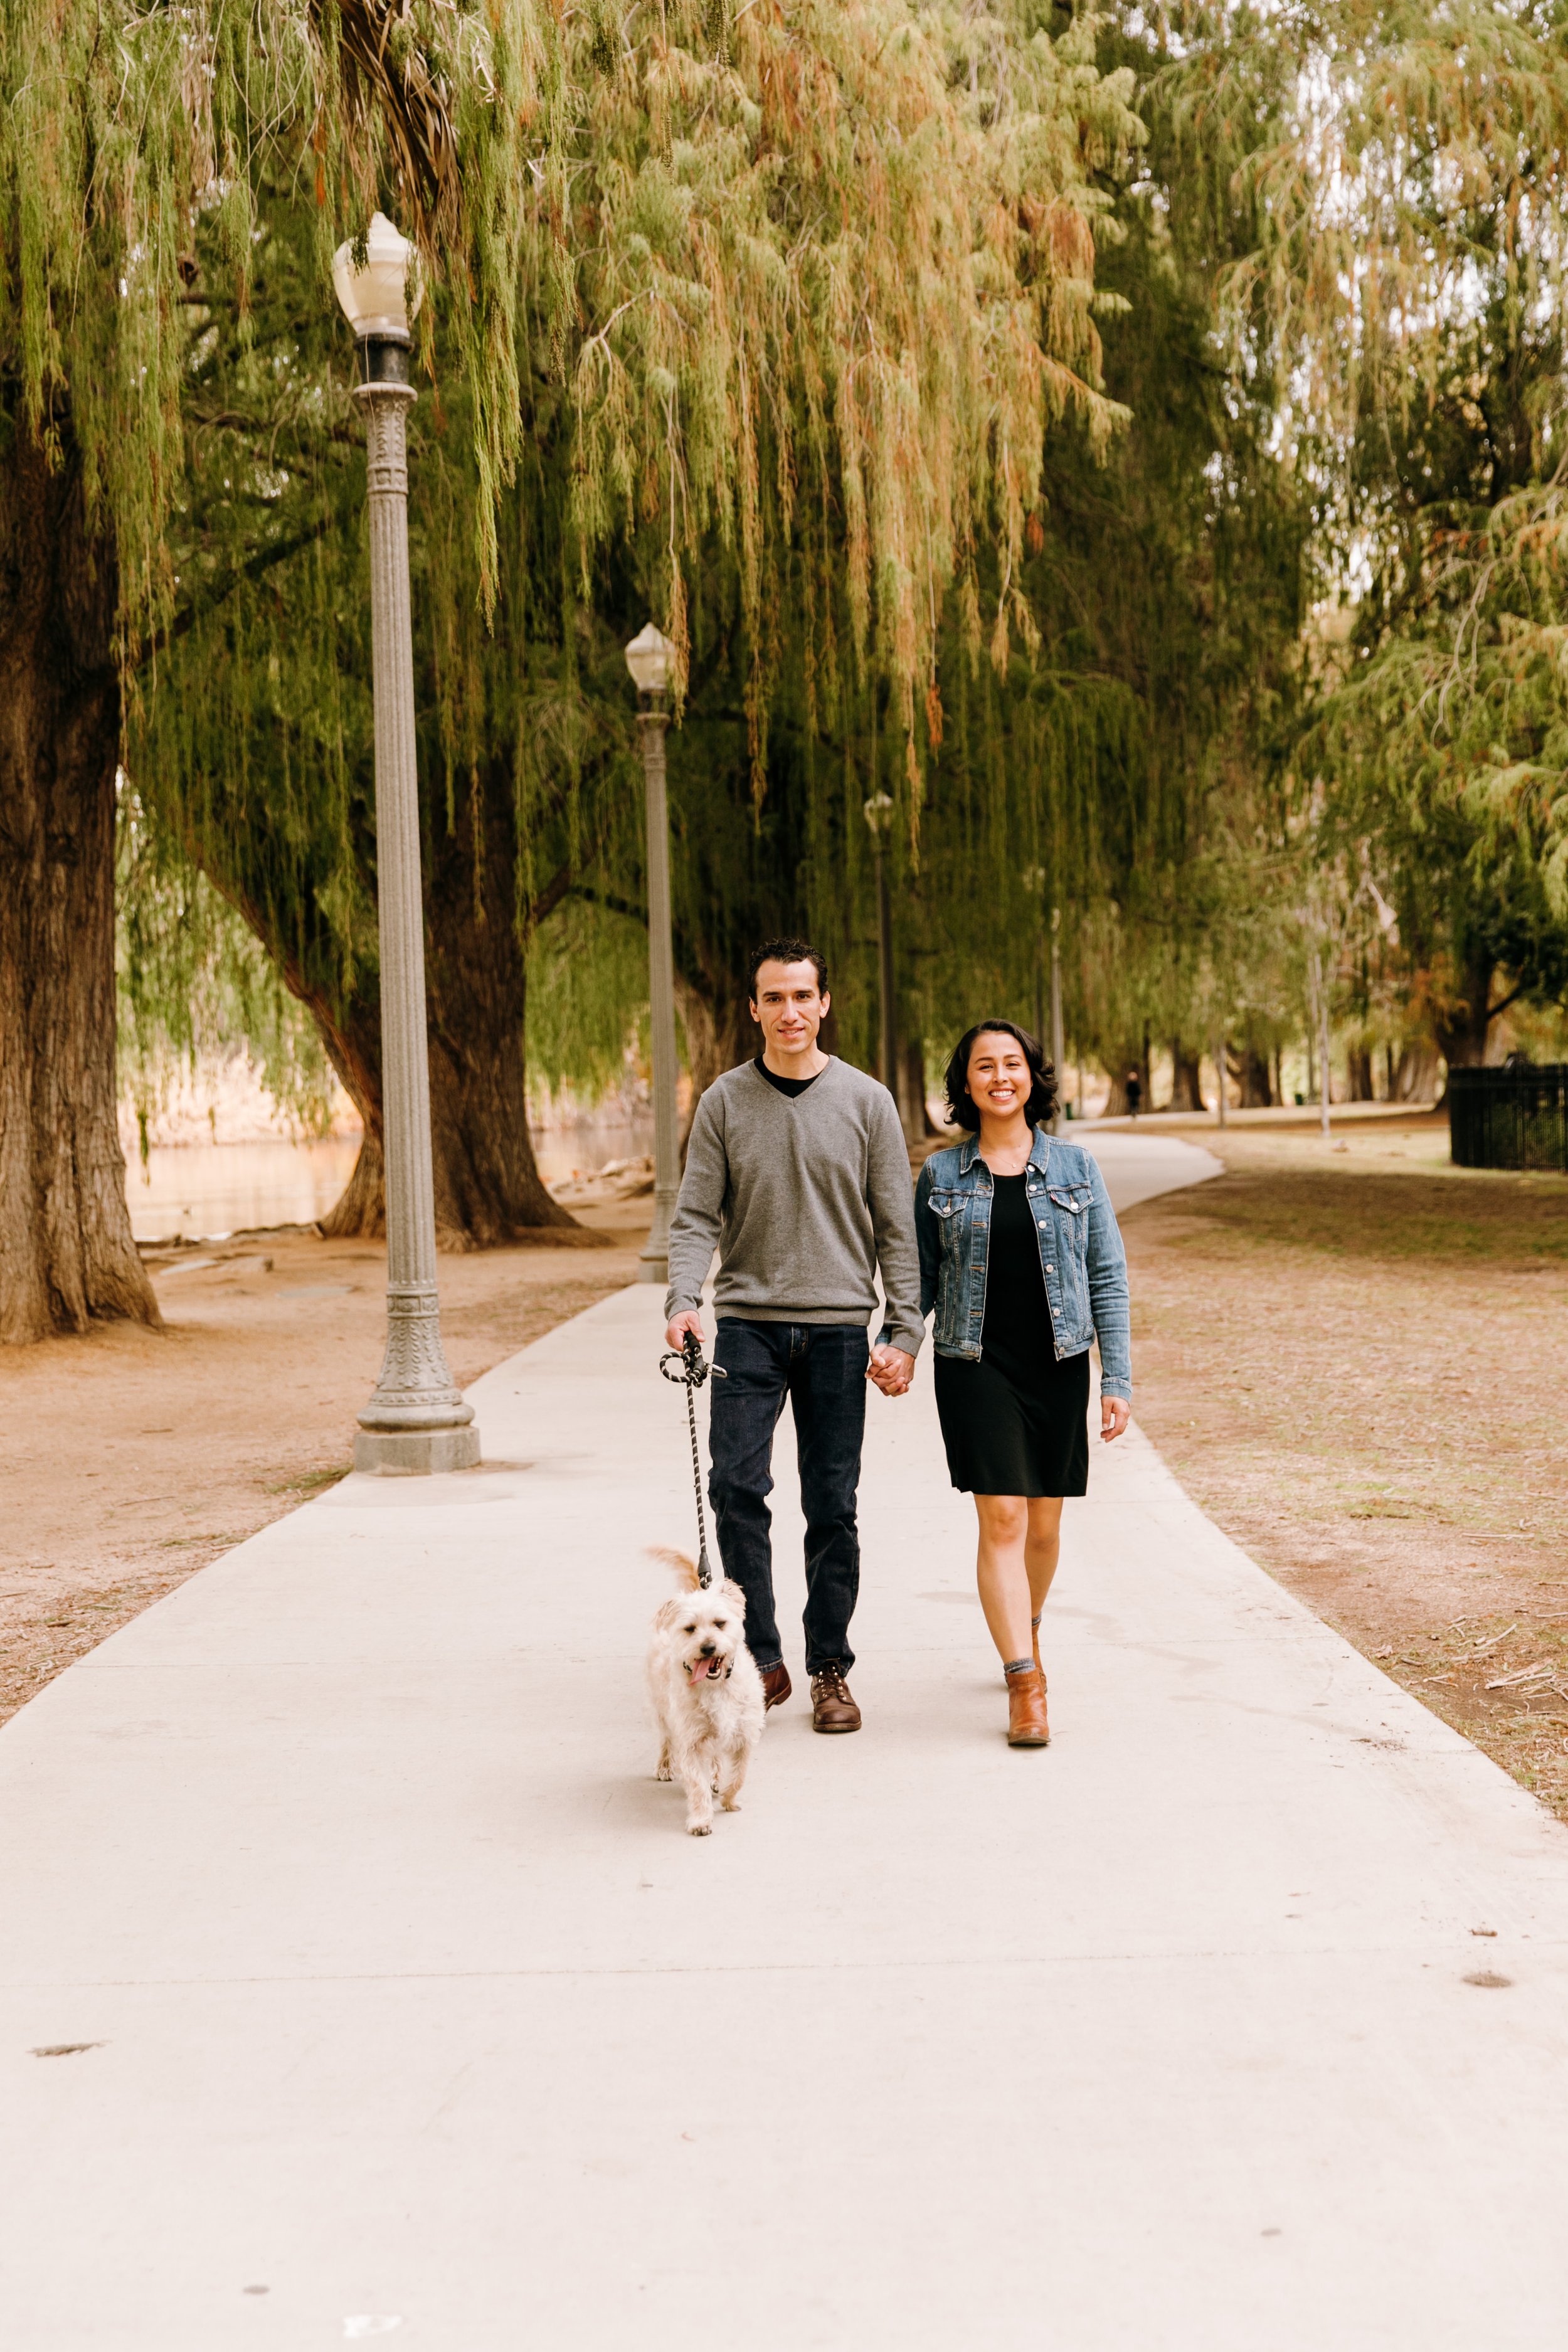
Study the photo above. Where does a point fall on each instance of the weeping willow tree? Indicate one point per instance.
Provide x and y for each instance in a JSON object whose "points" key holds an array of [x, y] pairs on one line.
{"points": [[1118, 770], [1341, 252], [1443, 750], [1096, 749], [1111, 758], [800, 295], [1394, 179], [136, 144]]}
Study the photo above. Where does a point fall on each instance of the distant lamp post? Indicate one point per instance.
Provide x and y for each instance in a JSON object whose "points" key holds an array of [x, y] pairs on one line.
{"points": [[416, 1421], [1318, 982], [1058, 1046], [650, 658], [1033, 880], [879, 817]]}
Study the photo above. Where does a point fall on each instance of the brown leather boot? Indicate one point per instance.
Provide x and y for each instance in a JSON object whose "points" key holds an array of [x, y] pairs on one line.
{"points": [[1027, 1722], [776, 1685], [832, 1708]]}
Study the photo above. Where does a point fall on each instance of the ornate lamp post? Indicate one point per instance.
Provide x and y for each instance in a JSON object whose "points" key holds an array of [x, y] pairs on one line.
{"points": [[416, 1421], [650, 658], [879, 816], [1058, 1043]]}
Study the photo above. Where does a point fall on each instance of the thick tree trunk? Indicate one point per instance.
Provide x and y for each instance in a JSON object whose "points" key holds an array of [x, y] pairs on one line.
{"points": [[1119, 1067], [1414, 1078], [720, 1034], [1249, 1068], [488, 1187], [1186, 1084], [66, 1250], [1363, 1085], [917, 1120], [1461, 1033]]}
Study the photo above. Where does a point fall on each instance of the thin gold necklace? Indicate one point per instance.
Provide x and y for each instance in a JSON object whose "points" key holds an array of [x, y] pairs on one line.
{"points": [[1028, 1150]]}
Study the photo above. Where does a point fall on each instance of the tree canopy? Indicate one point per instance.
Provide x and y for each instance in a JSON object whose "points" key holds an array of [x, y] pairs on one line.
{"points": [[831, 278], [1131, 443]]}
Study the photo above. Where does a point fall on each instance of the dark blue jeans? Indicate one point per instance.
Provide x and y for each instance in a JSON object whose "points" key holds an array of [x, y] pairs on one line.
{"points": [[821, 1368]]}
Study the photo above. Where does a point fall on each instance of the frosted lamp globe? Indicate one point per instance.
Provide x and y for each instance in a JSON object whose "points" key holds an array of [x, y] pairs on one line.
{"points": [[879, 810], [384, 297], [650, 658]]}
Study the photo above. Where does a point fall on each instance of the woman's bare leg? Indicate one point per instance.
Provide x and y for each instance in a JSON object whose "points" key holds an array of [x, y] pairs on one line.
{"points": [[1042, 1547], [1003, 1573]]}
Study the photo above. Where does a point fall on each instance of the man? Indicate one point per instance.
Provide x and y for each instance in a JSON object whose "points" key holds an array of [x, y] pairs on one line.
{"points": [[797, 1171]]}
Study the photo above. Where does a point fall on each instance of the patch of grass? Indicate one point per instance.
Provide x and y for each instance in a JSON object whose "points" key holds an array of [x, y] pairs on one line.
{"points": [[311, 1482], [1519, 1221]]}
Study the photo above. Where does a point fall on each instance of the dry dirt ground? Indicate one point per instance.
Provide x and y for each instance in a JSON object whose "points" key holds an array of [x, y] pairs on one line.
{"points": [[1357, 1362], [133, 1457]]}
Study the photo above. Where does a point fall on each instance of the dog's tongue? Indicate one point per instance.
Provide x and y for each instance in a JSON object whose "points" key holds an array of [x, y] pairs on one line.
{"points": [[703, 1669]]}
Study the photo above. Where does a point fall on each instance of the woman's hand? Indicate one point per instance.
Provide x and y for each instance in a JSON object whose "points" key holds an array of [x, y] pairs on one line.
{"points": [[892, 1370], [1115, 1413]]}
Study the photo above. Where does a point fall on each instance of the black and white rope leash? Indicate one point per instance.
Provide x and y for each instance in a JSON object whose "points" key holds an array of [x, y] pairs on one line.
{"points": [[693, 1371]]}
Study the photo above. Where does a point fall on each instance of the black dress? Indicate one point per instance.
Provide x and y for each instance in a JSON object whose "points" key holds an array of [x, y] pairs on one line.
{"points": [[1016, 1421]]}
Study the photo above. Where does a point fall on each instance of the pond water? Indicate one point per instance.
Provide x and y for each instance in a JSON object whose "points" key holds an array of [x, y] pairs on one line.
{"points": [[588, 1144], [204, 1190], [201, 1189]]}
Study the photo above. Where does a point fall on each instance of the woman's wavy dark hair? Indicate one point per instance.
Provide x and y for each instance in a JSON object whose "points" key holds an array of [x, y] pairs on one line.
{"points": [[1042, 1103]]}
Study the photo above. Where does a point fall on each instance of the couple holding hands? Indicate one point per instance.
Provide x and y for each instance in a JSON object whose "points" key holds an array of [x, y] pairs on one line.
{"points": [[798, 1173]]}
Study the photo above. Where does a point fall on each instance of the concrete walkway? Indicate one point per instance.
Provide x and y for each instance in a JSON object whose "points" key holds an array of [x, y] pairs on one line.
{"points": [[405, 2000]]}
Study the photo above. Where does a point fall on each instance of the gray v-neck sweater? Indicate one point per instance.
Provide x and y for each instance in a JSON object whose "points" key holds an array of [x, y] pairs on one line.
{"points": [[803, 1195]]}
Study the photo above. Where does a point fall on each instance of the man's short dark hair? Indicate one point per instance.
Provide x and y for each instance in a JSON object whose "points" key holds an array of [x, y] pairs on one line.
{"points": [[961, 1107], [787, 951]]}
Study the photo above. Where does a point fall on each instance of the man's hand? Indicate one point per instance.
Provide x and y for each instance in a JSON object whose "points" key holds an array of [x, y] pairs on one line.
{"points": [[675, 1330], [892, 1370], [1115, 1413]]}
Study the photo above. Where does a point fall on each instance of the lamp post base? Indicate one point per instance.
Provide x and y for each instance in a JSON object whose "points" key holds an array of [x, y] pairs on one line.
{"points": [[653, 1265], [416, 1453]]}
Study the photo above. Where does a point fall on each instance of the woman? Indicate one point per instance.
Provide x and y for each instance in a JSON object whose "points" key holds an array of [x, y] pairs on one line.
{"points": [[1021, 1257]]}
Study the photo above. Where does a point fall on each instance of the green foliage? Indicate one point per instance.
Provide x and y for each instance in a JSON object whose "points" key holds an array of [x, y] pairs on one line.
{"points": [[1356, 163], [978, 438], [1390, 180], [192, 981], [1113, 764], [587, 986], [1445, 752], [798, 292]]}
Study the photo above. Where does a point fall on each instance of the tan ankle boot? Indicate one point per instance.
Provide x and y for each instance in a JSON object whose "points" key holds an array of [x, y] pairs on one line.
{"points": [[1027, 1722]]}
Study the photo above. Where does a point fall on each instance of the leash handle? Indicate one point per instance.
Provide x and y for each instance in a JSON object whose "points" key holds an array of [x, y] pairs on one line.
{"points": [[693, 1371]]}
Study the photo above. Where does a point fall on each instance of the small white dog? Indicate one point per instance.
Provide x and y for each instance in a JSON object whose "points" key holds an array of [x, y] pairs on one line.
{"points": [[707, 1693]]}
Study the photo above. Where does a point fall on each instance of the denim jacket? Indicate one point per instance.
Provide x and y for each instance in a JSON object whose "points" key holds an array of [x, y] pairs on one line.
{"points": [[1082, 1255]]}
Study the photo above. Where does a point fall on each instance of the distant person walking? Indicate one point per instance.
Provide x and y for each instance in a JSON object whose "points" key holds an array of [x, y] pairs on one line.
{"points": [[797, 1170], [1021, 1259], [1134, 1093]]}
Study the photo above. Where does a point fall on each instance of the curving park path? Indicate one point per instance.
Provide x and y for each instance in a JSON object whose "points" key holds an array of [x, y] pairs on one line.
{"points": [[357, 1981]]}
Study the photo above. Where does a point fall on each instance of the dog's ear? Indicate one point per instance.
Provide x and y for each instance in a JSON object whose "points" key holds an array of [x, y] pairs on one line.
{"points": [[667, 1616], [732, 1593], [685, 1568]]}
